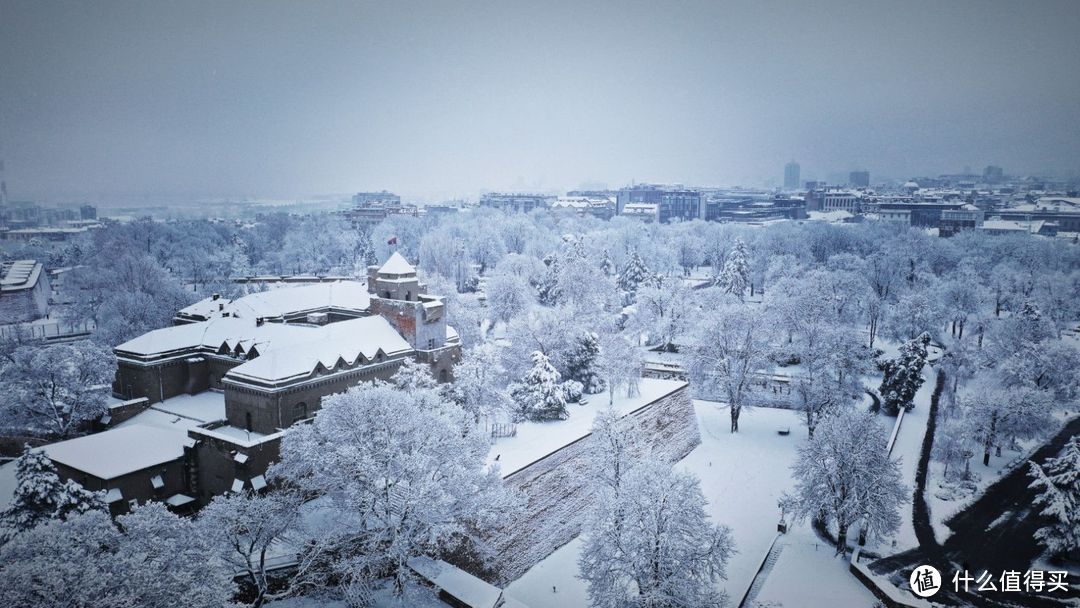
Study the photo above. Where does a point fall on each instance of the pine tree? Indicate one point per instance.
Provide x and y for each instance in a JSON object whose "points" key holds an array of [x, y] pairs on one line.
{"points": [[1058, 485], [633, 274], [606, 265], [903, 375], [540, 395], [547, 291], [40, 496], [582, 363], [735, 276]]}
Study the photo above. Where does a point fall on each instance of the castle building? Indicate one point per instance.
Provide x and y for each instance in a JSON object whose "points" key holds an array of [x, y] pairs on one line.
{"points": [[231, 375]]}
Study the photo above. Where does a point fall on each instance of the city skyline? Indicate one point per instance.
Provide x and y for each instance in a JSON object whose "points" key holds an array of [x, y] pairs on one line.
{"points": [[116, 100]]}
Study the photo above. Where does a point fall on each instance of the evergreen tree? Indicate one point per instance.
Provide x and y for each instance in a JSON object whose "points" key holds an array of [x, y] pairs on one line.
{"points": [[540, 395], [606, 265], [634, 274], [547, 291], [735, 276], [40, 496], [582, 363], [1057, 482], [903, 375]]}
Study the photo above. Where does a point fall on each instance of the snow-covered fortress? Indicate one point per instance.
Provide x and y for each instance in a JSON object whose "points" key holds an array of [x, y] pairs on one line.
{"points": [[229, 377]]}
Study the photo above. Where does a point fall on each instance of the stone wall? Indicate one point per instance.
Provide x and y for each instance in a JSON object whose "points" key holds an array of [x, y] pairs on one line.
{"points": [[559, 497]]}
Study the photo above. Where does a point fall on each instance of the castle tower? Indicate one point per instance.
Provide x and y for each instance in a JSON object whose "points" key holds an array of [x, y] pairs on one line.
{"points": [[397, 295]]}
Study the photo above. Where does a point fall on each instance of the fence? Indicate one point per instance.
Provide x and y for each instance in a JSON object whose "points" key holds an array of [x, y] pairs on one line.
{"points": [[57, 330]]}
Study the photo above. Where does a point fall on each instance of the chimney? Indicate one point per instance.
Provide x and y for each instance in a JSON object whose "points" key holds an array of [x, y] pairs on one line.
{"points": [[215, 296], [258, 321]]}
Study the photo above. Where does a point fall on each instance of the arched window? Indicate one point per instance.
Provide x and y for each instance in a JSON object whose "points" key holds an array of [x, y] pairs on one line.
{"points": [[247, 421]]}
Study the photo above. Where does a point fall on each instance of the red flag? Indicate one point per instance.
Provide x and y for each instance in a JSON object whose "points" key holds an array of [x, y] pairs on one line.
{"points": [[392, 240]]}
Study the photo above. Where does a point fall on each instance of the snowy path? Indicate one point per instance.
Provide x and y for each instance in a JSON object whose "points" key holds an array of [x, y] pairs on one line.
{"points": [[907, 448], [809, 575]]}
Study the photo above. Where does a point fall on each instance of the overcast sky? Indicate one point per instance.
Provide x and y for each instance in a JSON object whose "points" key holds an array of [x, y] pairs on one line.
{"points": [[274, 99]]}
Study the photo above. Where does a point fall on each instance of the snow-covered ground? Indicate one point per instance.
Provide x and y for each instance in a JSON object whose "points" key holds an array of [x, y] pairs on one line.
{"points": [[808, 575], [742, 476]]}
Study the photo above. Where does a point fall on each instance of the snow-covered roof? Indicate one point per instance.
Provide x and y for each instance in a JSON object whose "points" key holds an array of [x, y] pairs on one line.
{"points": [[20, 274], [285, 301], [397, 265], [211, 334], [347, 341], [115, 453], [463, 586]]}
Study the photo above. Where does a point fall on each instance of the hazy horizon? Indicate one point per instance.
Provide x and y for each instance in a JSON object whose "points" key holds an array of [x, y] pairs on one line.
{"points": [[432, 100]]}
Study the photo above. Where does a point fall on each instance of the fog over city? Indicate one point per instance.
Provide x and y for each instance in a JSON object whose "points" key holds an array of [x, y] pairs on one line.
{"points": [[106, 101], [758, 304]]}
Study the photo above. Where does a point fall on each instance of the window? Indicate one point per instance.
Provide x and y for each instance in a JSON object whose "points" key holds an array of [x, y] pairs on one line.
{"points": [[299, 412], [443, 376], [247, 421], [431, 343]]}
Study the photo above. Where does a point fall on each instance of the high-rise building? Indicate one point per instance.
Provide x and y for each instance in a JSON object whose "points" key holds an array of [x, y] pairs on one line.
{"points": [[859, 179], [791, 176], [993, 175]]}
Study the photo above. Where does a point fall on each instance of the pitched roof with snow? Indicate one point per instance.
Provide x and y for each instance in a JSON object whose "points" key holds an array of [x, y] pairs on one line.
{"points": [[347, 342], [396, 265], [228, 331], [350, 296], [116, 453]]}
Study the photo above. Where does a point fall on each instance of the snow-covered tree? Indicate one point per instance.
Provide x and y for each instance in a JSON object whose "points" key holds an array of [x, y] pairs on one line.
{"points": [[999, 416], [731, 347], [1057, 486], [660, 549], [734, 279], [582, 363], [953, 445], [479, 383], [414, 376], [540, 394], [407, 467], [40, 496], [54, 389], [1051, 365], [915, 313], [633, 274], [249, 529], [663, 310], [152, 559], [619, 365], [547, 288], [903, 375], [845, 475], [508, 296], [617, 446]]}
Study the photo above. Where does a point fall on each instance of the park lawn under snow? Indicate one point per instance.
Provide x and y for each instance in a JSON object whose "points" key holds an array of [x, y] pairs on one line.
{"points": [[809, 575], [742, 476]]}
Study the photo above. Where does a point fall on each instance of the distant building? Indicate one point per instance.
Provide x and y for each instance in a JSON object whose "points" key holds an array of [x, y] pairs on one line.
{"points": [[643, 212], [672, 202], [993, 174], [859, 179], [1064, 212], [516, 203], [381, 198], [968, 217], [834, 199], [24, 291], [791, 176], [88, 212]]}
